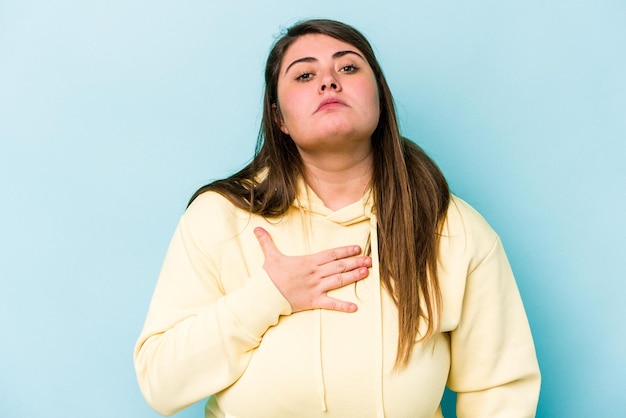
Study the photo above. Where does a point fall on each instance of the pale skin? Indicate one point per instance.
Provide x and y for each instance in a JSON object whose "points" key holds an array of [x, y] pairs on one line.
{"points": [[328, 104]]}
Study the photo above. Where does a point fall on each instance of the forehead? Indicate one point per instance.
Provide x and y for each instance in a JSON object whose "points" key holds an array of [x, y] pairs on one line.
{"points": [[316, 46]]}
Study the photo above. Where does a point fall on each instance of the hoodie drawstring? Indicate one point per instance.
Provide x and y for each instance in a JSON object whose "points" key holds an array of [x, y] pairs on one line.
{"points": [[321, 389], [317, 342], [378, 358]]}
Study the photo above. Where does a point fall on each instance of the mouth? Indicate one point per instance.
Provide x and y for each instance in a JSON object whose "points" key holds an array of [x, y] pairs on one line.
{"points": [[330, 103]]}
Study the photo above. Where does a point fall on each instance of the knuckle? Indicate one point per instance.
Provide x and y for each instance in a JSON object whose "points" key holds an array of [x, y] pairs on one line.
{"points": [[314, 273]]}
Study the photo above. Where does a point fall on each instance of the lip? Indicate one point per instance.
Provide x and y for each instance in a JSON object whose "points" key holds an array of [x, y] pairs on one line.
{"points": [[330, 103]]}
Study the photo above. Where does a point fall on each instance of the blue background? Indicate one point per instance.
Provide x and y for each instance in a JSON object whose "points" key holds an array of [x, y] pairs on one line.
{"points": [[113, 112]]}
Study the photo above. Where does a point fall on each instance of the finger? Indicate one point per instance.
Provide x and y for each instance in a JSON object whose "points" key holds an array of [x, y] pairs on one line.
{"points": [[344, 265], [326, 302], [266, 242], [342, 279], [337, 254]]}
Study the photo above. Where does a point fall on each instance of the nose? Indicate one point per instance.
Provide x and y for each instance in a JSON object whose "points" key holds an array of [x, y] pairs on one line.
{"points": [[331, 85], [328, 81]]}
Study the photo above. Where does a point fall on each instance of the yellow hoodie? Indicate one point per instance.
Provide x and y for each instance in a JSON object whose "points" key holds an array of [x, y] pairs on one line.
{"points": [[217, 326]]}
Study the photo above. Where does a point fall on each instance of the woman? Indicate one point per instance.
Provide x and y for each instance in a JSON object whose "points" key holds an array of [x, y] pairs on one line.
{"points": [[335, 275]]}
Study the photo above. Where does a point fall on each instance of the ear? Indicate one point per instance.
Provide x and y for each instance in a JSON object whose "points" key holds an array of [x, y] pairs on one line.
{"points": [[278, 118]]}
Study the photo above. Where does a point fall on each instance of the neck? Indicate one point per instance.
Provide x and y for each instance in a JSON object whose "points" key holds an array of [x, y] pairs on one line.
{"points": [[340, 180]]}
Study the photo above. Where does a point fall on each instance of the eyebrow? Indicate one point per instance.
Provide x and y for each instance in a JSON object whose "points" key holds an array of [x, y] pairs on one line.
{"points": [[336, 55]]}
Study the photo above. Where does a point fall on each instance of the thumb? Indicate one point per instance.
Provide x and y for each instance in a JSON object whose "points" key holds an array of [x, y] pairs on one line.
{"points": [[266, 242]]}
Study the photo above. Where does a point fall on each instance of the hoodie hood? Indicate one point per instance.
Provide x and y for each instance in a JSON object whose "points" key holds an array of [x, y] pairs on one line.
{"points": [[310, 204]]}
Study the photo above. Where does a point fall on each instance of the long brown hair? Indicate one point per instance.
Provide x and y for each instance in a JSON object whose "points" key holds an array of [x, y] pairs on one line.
{"points": [[411, 195]]}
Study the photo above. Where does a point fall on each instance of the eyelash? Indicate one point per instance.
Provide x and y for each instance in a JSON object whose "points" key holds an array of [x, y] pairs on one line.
{"points": [[348, 69], [304, 77], [352, 68]]}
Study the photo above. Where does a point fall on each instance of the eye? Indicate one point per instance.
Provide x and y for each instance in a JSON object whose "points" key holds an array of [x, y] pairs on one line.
{"points": [[304, 77], [350, 68]]}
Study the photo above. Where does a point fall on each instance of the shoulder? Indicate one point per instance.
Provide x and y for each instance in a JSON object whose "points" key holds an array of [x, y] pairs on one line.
{"points": [[466, 231], [463, 218], [213, 205], [212, 216]]}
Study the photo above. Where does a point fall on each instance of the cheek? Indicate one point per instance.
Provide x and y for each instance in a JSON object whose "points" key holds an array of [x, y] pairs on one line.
{"points": [[373, 102], [290, 102], [376, 100]]}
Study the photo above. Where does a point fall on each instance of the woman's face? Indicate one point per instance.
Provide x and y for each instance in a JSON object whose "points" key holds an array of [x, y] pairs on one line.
{"points": [[327, 95]]}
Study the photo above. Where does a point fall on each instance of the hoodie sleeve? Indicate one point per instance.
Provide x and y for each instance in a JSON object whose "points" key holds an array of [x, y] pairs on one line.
{"points": [[494, 367], [198, 337]]}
